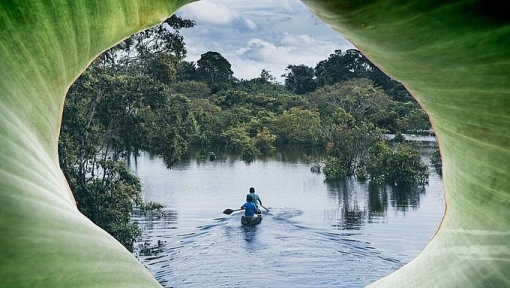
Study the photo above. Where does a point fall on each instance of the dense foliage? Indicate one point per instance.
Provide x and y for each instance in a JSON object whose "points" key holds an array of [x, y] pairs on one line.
{"points": [[142, 95]]}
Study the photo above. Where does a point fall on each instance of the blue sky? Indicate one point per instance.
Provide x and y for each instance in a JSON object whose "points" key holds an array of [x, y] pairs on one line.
{"points": [[261, 34]]}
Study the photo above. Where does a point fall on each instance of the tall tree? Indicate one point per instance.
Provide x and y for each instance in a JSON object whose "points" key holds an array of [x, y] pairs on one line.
{"points": [[341, 66], [215, 70], [352, 64], [299, 79]]}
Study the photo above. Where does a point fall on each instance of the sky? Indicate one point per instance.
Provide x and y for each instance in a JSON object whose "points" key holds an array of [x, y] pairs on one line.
{"points": [[259, 34]]}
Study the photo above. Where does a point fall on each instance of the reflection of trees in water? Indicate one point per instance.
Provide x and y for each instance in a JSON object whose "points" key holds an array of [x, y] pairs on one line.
{"points": [[377, 201], [403, 197], [361, 202], [352, 214]]}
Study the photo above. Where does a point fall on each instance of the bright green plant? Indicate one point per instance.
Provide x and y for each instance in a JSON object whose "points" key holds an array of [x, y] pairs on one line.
{"points": [[452, 55]]}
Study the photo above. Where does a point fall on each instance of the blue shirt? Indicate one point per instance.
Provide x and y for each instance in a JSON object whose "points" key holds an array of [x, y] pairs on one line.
{"points": [[249, 209]]}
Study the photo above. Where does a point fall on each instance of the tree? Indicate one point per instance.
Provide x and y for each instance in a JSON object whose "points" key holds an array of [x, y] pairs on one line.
{"points": [[170, 125], [401, 165], [341, 67], [214, 70], [265, 84], [358, 97], [349, 146], [104, 189], [112, 110], [414, 122], [353, 64], [299, 79], [154, 52], [266, 77], [191, 89], [298, 127]]}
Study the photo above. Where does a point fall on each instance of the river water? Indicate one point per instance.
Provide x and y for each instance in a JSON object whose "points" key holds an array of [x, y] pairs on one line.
{"points": [[316, 234]]}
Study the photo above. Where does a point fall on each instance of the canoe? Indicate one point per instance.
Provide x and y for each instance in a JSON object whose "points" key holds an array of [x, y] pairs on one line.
{"points": [[251, 221]]}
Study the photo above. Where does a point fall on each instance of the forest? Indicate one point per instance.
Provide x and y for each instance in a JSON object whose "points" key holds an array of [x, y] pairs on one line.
{"points": [[142, 95]]}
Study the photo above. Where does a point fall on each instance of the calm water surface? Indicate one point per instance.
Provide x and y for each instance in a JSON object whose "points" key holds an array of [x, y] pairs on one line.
{"points": [[343, 234]]}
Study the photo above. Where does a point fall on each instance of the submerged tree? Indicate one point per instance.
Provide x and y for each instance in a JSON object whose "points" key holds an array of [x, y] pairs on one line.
{"points": [[400, 165]]}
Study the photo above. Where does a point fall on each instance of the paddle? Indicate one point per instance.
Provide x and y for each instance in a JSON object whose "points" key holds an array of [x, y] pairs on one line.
{"points": [[229, 211], [267, 210]]}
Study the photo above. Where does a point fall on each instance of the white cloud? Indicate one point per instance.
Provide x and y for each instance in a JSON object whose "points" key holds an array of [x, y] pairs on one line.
{"points": [[209, 13], [298, 40], [263, 51]]}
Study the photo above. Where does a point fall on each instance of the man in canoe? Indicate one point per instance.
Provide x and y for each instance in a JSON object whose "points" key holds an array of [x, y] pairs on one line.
{"points": [[249, 210], [256, 200]]}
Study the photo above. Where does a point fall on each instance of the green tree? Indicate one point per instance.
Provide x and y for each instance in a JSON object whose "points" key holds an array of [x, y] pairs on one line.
{"points": [[169, 124], [230, 98], [298, 127], [415, 121], [104, 189], [437, 163], [206, 115], [341, 67], [358, 97], [155, 52], [353, 64], [119, 106], [265, 140], [215, 70], [405, 167], [349, 145], [191, 89], [401, 165], [186, 71], [265, 84], [299, 79]]}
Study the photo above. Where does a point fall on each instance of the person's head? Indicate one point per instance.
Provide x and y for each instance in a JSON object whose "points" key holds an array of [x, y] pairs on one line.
{"points": [[252, 190], [249, 198]]}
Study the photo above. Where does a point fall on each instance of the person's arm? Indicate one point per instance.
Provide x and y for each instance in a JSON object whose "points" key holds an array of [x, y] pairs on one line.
{"points": [[260, 201]]}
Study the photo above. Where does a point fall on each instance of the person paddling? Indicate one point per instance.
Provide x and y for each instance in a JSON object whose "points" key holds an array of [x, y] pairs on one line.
{"points": [[256, 200], [252, 198], [249, 207]]}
